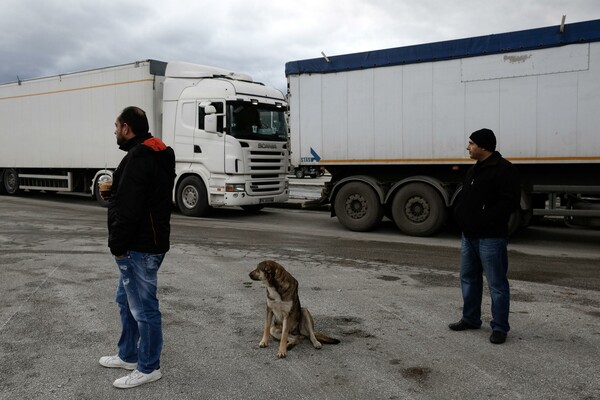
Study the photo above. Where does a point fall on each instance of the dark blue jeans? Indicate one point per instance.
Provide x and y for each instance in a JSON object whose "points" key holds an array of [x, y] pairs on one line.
{"points": [[141, 326], [489, 256]]}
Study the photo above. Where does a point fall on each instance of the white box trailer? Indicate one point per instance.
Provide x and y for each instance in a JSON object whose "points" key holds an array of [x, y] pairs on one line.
{"points": [[229, 133], [391, 126]]}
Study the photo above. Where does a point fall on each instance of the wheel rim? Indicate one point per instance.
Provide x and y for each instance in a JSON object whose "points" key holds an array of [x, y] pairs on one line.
{"points": [[189, 197], [10, 181], [417, 209], [356, 206]]}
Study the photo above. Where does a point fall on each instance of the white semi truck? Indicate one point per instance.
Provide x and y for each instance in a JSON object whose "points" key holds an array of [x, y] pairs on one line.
{"points": [[391, 126], [229, 133]]}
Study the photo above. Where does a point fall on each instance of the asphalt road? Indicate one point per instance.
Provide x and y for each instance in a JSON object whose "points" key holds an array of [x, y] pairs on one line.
{"points": [[387, 297]]}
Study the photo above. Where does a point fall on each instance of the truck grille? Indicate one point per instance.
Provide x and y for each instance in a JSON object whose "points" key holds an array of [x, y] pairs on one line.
{"points": [[268, 169]]}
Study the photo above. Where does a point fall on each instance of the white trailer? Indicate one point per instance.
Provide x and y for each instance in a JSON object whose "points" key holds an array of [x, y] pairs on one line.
{"points": [[391, 126], [229, 133]]}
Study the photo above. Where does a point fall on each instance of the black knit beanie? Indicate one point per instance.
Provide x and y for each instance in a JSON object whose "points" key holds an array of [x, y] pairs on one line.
{"points": [[484, 138]]}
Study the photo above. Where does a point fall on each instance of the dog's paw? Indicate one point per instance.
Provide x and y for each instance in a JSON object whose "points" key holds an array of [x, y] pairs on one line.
{"points": [[282, 354], [263, 343], [317, 345]]}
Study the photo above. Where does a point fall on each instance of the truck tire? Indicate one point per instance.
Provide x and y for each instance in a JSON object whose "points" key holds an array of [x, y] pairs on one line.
{"points": [[299, 173], [10, 182], [357, 207], [192, 197], [586, 222], [418, 210]]}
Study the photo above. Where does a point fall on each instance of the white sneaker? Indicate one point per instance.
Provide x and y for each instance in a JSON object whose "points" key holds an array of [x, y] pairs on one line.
{"points": [[137, 378], [116, 362]]}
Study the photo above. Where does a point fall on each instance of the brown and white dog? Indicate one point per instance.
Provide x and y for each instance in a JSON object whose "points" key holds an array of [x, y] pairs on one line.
{"points": [[291, 321]]}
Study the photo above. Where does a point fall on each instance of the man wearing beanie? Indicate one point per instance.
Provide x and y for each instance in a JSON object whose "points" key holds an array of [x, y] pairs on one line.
{"points": [[489, 195]]}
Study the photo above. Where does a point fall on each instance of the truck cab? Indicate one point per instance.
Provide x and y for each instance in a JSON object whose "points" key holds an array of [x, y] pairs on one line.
{"points": [[230, 139]]}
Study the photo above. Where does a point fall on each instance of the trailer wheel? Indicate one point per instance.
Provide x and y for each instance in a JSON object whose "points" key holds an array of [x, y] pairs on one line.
{"points": [[357, 207], [192, 197], [418, 210], [10, 182], [299, 173]]}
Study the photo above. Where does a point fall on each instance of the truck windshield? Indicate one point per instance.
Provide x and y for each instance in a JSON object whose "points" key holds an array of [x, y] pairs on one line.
{"points": [[256, 122]]}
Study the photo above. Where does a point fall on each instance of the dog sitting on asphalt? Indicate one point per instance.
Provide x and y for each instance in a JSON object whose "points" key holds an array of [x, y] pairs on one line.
{"points": [[291, 322]]}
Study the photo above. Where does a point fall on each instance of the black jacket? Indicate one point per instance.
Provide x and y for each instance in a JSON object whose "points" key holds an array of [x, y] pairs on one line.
{"points": [[490, 193], [139, 211]]}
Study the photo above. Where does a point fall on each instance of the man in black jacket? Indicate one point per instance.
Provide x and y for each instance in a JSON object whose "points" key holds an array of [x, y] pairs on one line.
{"points": [[489, 195], [139, 214]]}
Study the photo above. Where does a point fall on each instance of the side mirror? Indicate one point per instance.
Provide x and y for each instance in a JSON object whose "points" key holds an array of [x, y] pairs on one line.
{"points": [[210, 119]]}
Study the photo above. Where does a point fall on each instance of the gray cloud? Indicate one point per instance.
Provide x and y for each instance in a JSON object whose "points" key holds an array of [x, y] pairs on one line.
{"points": [[49, 37]]}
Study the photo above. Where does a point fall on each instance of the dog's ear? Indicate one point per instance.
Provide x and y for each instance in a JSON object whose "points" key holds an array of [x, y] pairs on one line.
{"points": [[269, 269], [263, 266]]}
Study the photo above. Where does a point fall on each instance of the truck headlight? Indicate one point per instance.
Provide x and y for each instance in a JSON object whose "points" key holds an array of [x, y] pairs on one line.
{"points": [[235, 187]]}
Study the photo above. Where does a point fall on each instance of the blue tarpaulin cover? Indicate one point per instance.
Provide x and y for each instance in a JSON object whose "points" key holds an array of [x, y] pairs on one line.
{"points": [[532, 39]]}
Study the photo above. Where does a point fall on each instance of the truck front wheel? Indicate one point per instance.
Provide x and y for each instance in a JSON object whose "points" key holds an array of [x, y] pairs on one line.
{"points": [[192, 197], [10, 182], [418, 210], [357, 207]]}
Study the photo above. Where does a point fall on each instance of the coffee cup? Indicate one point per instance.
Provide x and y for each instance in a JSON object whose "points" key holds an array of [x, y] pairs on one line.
{"points": [[105, 186]]}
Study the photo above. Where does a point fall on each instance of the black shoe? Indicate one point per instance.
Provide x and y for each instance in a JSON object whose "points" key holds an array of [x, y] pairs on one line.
{"points": [[498, 337], [461, 326]]}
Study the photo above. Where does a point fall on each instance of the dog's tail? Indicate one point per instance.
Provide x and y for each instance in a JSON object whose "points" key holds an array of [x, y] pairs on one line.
{"points": [[325, 339]]}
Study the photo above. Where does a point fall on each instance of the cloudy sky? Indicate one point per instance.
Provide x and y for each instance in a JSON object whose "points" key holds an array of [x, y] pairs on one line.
{"points": [[50, 37]]}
